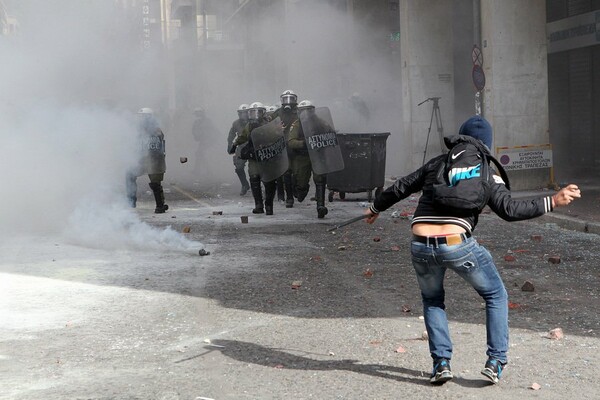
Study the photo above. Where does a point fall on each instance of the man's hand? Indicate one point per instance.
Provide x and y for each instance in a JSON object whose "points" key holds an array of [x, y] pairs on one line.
{"points": [[566, 195], [371, 217]]}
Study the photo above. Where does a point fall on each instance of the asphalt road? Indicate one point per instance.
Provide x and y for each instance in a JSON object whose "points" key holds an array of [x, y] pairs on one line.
{"points": [[281, 308]]}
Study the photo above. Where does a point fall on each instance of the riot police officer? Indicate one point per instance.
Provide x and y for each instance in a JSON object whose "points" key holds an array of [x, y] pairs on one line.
{"points": [[289, 117], [239, 164], [256, 118], [151, 160], [302, 167], [271, 115]]}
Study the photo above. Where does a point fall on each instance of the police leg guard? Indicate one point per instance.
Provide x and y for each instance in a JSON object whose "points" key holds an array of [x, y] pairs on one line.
{"points": [[242, 176], [257, 194], [159, 197], [131, 189], [289, 190], [280, 191], [270, 189], [320, 195]]}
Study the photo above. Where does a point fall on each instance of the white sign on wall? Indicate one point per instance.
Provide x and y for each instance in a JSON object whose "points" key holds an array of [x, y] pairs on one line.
{"points": [[525, 157]]}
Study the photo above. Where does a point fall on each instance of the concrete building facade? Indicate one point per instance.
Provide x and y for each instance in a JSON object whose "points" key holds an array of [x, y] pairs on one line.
{"points": [[400, 55]]}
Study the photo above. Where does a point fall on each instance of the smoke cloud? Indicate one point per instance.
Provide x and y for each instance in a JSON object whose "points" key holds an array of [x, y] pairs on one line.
{"points": [[76, 72], [68, 127]]}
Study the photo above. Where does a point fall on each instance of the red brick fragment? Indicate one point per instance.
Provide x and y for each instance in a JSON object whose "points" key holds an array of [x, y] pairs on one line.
{"points": [[508, 257]]}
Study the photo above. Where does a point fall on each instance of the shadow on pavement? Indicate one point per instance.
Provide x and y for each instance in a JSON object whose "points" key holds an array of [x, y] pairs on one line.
{"points": [[251, 353]]}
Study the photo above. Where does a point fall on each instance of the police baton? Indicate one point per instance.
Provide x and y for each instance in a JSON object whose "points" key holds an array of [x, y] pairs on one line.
{"points": [[348, 222]]}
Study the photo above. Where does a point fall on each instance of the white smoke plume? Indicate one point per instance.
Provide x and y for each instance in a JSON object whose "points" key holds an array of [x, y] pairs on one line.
{"points": [[67, 177], [75, 73], [67, 127]]}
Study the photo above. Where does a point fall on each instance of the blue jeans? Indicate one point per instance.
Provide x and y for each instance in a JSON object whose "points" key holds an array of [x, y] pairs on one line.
{"points": [[475, 265]]}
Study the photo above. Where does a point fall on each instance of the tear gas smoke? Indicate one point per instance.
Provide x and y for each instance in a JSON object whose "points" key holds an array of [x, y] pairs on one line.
{"points": [[67, 177], [73, 81], [76, 71]]}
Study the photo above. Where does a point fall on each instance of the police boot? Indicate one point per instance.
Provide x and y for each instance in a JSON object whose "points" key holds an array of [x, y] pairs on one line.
{"points": [[245, 185], [320, 195], [289, 190], [280, 191], [257, 194], [159, 197], [270, 189]]}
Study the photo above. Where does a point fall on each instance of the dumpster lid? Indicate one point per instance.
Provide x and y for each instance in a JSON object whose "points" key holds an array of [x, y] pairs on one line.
{"points": [[376, 134]]}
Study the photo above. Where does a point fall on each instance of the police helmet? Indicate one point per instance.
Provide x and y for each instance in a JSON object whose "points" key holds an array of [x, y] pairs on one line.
{"points": [[288, 97], [256, 111], [306, 104], [243, 111]]}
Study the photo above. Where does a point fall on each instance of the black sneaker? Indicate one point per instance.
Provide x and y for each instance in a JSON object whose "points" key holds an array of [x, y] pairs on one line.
{"points": [[493, 370], [441, 371]]}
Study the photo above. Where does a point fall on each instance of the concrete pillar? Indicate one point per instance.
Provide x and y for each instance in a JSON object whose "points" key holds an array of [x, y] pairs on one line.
{"points": [[513, 34], [427, 67]]}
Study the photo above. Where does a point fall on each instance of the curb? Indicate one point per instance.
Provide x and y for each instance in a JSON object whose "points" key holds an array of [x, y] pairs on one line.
{"points": [[573, 224]]}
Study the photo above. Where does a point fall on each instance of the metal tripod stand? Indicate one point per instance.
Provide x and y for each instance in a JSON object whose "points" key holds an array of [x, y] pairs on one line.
{"points": [[435, 111]]}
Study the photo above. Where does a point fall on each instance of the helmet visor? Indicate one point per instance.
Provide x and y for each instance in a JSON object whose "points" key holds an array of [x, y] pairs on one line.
{"points": [[255, 113], [289, 99]]}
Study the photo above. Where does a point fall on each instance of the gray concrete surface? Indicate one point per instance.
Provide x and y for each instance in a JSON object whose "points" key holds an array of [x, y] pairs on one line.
{"points": [[582, 215], [102, 322]]}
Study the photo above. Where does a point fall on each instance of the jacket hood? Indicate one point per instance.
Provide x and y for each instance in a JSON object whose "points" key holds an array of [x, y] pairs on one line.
{"points": [[451, 141]]}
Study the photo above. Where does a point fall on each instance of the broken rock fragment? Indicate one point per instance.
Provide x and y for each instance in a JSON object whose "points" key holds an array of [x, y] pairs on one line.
{"points": [[528, 287], [296, 284], [556, 334]]}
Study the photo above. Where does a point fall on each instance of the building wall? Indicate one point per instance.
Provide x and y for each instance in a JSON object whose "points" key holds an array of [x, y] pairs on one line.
{"points": [[515, 66], [427, 72]]}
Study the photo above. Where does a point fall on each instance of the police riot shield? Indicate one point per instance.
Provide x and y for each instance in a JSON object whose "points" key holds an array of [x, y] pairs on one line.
{"points": [[321, 140], [153, 155], [270, 150]]}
